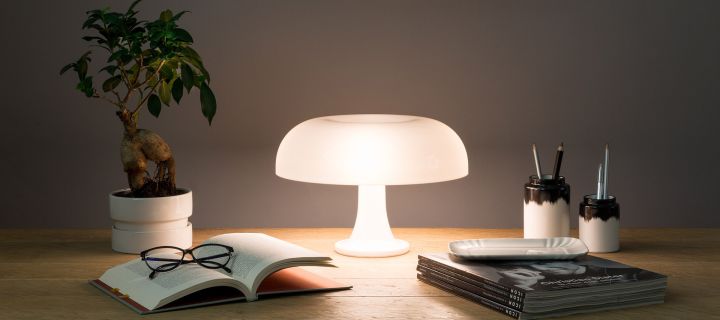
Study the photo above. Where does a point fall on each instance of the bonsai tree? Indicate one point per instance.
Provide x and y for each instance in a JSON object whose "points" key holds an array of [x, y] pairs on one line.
{"points": [[149, 64]]}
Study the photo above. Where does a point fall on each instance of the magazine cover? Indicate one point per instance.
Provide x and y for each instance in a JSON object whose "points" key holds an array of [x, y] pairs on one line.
{"points": [[547, 275]]}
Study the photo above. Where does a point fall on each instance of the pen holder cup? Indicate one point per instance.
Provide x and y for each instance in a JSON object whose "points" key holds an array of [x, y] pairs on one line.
{"points": [[600, 223], [546, 212]]}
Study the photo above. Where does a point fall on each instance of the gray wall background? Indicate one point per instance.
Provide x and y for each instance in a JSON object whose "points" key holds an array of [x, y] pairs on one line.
{"points": [[641, 75]]}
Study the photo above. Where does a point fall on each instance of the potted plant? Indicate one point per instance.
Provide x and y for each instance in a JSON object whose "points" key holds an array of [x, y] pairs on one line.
{"points": [[149, 64]]}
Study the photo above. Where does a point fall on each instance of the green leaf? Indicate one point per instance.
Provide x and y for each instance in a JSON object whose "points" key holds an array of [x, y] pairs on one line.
{"points": [[154, 105], [110, 69], [126, 58], [187, 76], [149, 72], [95, 26], [152, 81], [182, 35], [82, 68], [111, 83], [164, 92], [66, 68], [190, 52], [166, 16], [155, 36], [199, 80], [173, 64], [198, 65], [91, 19], [179, 14], [177, 90], [132, 6], [112, 19], [207, 102], [138, 30], [86, 86], [148, 54], [116, 55], [133, 72], [166, 72]]}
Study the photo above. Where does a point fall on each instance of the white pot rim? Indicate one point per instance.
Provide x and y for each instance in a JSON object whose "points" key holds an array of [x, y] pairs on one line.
{"points": [[150, 210], [114, 194]]}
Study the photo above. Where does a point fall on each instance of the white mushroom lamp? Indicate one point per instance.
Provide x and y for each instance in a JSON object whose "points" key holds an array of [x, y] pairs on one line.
{"points": [[371, 151]]}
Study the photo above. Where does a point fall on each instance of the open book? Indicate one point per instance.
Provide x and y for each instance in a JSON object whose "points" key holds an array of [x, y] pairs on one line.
{"points": [[260, 265]]}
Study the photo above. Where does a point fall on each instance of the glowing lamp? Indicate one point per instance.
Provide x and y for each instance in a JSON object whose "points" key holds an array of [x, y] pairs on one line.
{"points": [[371, 151]]}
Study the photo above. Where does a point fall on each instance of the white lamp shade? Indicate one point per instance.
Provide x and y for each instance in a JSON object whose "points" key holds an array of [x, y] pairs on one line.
{"points": [[371, 149]]}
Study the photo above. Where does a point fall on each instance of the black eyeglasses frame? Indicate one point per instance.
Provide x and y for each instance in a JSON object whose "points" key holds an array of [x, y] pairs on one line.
{"points": [[174, 263]]}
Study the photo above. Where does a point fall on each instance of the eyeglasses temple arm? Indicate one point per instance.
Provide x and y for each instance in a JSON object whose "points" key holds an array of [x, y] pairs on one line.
{"points": [[215, 256]]}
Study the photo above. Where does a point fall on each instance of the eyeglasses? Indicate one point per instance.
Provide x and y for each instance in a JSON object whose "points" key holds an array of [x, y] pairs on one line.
{"points": [[166, 258]]}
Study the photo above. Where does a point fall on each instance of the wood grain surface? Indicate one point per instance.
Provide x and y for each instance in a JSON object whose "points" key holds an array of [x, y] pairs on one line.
{"points": [[44, 274]]}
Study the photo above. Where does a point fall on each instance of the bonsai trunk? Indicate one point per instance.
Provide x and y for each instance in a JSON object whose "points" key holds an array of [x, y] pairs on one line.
{"points": [[139, 146]]}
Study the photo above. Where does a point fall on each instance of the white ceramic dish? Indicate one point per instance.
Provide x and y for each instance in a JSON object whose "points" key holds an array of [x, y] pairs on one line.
{"points": [[519, 249]]}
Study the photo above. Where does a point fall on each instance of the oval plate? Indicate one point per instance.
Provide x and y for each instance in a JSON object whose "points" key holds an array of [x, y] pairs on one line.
{"points": [[560, 248]]}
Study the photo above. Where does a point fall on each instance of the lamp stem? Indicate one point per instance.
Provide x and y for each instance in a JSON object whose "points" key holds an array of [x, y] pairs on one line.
{"points": [[371, 236], [371, 222]]}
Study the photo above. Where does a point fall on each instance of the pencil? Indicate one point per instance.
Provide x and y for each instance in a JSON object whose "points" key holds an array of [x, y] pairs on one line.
{"points": [[537, 162], [558, 161], [605, 170]]}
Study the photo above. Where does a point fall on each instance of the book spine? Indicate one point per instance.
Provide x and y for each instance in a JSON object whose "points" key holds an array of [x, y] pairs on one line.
{"points": [[480, 289], [515, 314], [515, 295], [124, 299]]}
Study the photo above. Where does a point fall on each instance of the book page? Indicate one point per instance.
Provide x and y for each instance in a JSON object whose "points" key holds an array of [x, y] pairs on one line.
{"points": [[132, 279], [257, 255]]}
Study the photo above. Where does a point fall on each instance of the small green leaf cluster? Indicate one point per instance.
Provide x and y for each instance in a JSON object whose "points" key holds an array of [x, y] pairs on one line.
{"points": [[150, 62]]}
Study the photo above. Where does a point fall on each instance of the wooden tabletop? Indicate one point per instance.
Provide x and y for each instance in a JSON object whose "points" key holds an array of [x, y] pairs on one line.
{"points": [[44, 274]]}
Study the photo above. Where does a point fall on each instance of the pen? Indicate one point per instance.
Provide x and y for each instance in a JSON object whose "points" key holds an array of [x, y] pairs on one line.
{"points": [[599, 182], [605, 170], [558, 161], [537, 162]]}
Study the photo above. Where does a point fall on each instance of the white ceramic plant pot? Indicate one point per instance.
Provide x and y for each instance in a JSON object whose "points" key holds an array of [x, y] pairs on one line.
{"points": [[143, 223]]}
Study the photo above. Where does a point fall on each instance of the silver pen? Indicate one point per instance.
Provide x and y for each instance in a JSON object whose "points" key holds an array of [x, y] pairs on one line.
{"points": [[605, 170], [537, 162], [600, 183]]}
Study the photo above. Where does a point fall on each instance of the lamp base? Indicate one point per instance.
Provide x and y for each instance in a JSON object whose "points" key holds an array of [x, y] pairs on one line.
{"points": [[377, 249]]}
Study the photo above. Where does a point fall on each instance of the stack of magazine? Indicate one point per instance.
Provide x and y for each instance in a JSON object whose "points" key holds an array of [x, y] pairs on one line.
{"points": [[543, 288]]}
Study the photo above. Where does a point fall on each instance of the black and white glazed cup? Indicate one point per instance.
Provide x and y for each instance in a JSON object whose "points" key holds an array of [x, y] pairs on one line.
{"points": [[599, 223], [546, 211]]}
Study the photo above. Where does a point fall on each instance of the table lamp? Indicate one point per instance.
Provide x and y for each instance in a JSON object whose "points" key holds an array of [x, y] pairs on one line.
{"points": [[371, 151]]}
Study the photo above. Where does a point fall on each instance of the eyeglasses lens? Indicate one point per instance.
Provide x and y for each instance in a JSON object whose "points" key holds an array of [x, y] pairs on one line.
{"points": [[212, 256], [162, 259]]}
